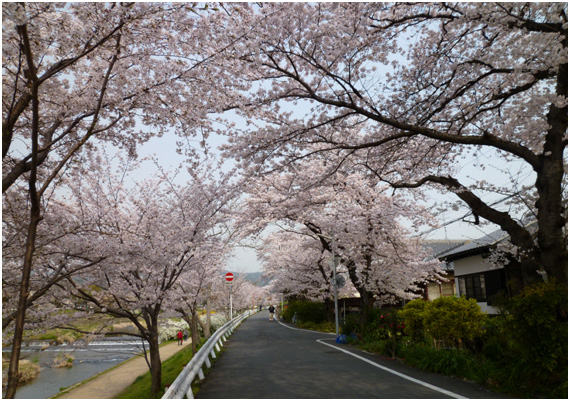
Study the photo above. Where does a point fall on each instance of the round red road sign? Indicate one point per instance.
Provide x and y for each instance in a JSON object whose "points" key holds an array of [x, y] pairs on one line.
{"points": [[229, 276]]}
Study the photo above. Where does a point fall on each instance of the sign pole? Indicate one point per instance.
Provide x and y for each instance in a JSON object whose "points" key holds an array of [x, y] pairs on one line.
{"points": [[229, 279]]}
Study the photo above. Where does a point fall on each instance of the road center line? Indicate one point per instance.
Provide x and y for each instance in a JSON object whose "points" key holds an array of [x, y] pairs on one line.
{"points": [[422, 383]]}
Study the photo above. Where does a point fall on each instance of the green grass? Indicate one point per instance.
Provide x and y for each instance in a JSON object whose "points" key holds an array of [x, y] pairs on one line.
{"points": [[171, 368]]}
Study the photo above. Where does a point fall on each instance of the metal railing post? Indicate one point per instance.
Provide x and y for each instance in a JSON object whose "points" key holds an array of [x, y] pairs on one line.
{"points": [[183, 383]]}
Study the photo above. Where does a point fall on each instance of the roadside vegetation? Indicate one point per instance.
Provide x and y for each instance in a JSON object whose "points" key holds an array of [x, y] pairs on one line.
{"points": [[523, 351], [171, 369], [28, 370]]}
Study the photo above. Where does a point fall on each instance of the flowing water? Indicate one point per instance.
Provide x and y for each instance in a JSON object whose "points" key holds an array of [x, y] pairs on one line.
{"points": [[90, 359]]}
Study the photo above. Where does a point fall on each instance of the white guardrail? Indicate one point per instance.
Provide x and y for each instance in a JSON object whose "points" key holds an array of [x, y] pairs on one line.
{"points": [[183, 384]]}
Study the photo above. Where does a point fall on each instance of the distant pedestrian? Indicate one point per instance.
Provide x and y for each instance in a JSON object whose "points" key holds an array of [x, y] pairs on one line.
{"points": [[271, 313], [179, 335], [260, 307], [185, 335]]}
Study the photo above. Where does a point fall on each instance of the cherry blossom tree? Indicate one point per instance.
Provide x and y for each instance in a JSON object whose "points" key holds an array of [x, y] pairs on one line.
{"points": [[118, 72], [69, 243], [62, 250], [380, 257], [159, 238], [408, 90], [244, 293], [194, 287], [298, 266]]}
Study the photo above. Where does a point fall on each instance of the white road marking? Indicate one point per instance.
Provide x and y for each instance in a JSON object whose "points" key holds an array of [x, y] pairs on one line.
{"points": [[422, 383], [310, 331]]}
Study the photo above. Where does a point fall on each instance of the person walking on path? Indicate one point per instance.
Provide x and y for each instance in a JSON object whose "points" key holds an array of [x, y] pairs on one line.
{"points": [[271, 312], [180, 335]]}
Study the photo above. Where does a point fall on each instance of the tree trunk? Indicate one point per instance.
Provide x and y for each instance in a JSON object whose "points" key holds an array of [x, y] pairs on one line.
{"points": [[202, 325], [366, 297], [329, 308], [13, 374], [155, 364], [552, 242], [366, 303], [208, 317], [35, 218], [194, 330]]}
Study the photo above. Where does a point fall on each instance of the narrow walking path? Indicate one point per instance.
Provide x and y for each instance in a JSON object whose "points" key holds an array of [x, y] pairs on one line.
{"points": [[112, 382]]}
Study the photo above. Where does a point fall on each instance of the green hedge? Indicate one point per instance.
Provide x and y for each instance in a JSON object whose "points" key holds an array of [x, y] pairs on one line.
{"points": [[529, 344], [523, 352], [447, 321], [458, 363], [305, 312]]}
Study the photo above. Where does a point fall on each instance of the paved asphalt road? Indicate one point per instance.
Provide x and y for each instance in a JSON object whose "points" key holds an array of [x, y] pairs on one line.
{"points": [[264, 359]]}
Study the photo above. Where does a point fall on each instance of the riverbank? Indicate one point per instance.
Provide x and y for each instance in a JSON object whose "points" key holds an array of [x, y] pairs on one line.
{"points": [[29, 370], [110, 383]]}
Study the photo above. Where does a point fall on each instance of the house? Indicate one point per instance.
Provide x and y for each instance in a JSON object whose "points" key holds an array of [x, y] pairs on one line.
{"points": [[444, 288], [475, 276]]}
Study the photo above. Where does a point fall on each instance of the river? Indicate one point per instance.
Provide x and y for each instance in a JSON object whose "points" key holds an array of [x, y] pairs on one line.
{"points": [[91, 359]]}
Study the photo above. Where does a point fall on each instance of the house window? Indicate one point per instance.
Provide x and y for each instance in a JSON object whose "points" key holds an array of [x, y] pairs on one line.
{"points": [[473, 286]]}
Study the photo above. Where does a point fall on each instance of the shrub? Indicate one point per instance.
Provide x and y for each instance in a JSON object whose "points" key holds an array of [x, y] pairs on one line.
{"points": [[351, 324], [540, 324], [66, 338], [530, 345], [63, 360], [306, 311], [452, 321], [216, 321], [326, 327], [28, 370], [461, 364], [413, 316], [169, 330]]}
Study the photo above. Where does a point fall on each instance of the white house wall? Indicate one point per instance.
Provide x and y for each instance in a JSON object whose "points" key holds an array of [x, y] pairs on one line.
{"points": [[471, 265]]}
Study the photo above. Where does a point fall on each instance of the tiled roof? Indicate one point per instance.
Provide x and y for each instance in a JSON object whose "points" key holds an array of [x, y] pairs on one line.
{"points": [[483, 242], [439, 248]]}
